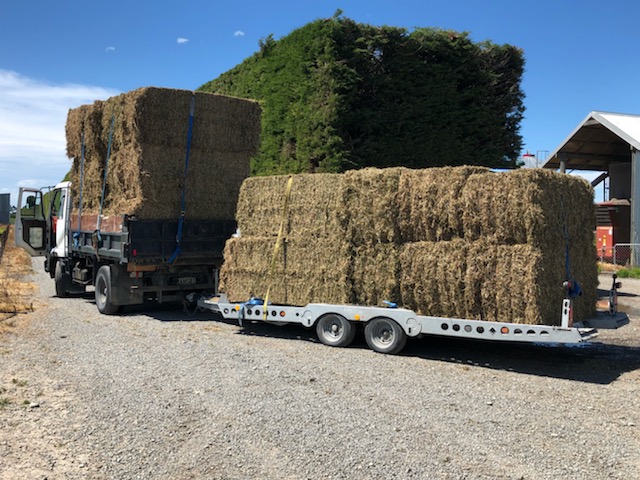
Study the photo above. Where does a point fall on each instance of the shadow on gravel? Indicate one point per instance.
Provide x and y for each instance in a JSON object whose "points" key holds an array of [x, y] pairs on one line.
{"points": [[592, 362], [589, 362]]}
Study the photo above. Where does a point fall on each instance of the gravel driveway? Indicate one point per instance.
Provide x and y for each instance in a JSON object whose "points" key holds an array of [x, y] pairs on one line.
{"points": [[157, 394]]}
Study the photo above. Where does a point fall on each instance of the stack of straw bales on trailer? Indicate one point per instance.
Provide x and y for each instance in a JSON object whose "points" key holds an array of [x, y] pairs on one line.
{"points": [[456, 241], [148, 153]]}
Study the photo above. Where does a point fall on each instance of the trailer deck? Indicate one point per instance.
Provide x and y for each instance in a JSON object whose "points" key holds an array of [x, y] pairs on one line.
{"points": [[391, 326]]}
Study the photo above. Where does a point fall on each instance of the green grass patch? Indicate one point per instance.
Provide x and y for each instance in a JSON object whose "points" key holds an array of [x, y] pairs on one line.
{"points": [[633, 272]]}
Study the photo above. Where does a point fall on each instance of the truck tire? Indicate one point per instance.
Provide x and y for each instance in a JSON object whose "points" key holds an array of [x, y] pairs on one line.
{"points": [[64, 285], [335, 330], [104, 299], [384, 335]]}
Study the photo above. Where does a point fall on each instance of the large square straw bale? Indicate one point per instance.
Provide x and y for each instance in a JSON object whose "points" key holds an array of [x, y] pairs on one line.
{"points": [[369, 207], [484, 281], [307, 269], [313, 205], [430, 204], [148, 153], [375, 273]]}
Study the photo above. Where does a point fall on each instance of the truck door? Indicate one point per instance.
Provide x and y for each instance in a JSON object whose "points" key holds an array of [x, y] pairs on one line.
{"points": [[59, 221], [31, 223]]}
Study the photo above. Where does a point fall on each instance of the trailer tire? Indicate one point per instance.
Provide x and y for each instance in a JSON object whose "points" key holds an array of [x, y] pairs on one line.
{"points": [[335, 330], [383, 335], [64, 285], [104, 296]]}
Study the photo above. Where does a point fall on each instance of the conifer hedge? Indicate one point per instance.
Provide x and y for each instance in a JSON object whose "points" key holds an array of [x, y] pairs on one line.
{"points": [[338, 95]]}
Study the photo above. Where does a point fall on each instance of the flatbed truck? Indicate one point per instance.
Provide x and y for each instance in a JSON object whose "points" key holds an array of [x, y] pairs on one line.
{"points": [[128, 260]]}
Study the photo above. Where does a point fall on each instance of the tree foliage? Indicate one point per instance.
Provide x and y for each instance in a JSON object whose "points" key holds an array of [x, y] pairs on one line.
{"points": [[338, 94]]}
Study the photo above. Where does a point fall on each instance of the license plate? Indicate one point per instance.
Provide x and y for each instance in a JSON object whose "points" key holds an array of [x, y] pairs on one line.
{"points": [[187, 280]]}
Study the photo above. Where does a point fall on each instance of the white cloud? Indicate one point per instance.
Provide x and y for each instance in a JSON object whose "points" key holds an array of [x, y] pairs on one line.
{"points": [[110, 49], [238, 33], [33, 114], [182, 40]]}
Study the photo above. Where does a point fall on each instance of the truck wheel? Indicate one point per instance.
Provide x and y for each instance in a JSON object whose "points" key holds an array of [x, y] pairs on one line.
{"points": [[335, 330], [63, 281], [104, 300], [384, 335]]}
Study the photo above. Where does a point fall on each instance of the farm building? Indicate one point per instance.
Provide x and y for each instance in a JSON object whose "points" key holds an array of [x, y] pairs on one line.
{"points": [[609, 143]]}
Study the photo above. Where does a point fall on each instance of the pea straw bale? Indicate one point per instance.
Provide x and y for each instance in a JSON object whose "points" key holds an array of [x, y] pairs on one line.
{"points": [[307, 270], [526, 206], [502, 284], [374, 274], [148, 153], [546, 210], [433, 277], [369, 206], [430, 203], [313, 207], [478, 281]]}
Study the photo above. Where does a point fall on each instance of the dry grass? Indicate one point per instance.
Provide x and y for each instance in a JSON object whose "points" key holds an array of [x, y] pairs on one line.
{"points": [[15, 294]]}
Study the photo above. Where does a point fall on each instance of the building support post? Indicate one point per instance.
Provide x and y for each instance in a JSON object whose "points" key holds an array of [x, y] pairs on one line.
{"points": [[563, 162], [635, 207]]}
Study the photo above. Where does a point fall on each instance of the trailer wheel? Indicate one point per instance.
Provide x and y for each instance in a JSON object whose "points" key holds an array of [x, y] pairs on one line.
{"points": [[63, 282], [384, 335], [104, 299], [335, 330]]}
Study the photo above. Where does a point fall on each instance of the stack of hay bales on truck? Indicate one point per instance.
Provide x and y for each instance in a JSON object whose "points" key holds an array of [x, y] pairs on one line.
{"points": [[459, 242], [146, 131]]}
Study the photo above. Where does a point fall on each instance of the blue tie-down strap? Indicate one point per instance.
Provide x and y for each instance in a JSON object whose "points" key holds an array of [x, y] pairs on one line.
{"points": [[573, 288], [390, 304], [76, 239], [175, 253], [252, 302]]}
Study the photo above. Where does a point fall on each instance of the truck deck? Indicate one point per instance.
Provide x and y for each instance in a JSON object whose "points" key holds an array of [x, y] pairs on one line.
{"points": [[152, 242]]}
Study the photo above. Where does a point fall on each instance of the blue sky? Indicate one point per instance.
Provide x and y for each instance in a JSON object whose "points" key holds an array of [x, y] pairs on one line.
{"points": [[56, 55]]}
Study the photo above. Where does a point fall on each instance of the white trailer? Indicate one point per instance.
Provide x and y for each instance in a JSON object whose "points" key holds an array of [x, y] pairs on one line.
{"points": [[386, 330]]}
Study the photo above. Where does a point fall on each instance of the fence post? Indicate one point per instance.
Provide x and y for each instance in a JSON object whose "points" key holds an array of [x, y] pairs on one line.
{"points": [[3, 241]]}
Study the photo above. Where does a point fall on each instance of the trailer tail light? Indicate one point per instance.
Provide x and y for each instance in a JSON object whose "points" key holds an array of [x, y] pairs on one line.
{"points": [[135, 252], [282, 313], [504, 330]]}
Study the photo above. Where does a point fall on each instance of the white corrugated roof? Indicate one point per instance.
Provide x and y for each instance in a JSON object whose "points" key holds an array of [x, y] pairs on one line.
{"points": [[625, 126], [590, 147]]}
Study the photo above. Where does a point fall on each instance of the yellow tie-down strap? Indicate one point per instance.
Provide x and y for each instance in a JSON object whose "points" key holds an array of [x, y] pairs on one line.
{"points": [[278, 245]]}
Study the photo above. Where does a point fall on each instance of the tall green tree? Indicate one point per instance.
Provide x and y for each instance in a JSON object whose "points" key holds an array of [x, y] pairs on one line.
{"points": [[338, 94]]}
